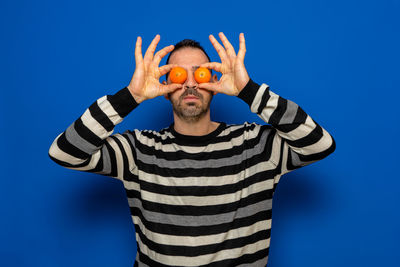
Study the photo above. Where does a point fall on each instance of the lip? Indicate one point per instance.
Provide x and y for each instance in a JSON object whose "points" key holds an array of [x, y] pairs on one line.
{"points": [[190, 98]]}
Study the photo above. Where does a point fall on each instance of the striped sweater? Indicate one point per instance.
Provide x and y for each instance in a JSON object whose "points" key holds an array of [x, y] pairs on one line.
{"points": [[197, 200]]}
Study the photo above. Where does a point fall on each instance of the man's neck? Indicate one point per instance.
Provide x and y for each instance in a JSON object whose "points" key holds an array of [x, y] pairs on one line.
{"points": [[201, 127]]}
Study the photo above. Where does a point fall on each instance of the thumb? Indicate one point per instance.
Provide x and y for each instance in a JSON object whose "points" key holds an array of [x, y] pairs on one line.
{"points": [[171, 88], [209, 86]]}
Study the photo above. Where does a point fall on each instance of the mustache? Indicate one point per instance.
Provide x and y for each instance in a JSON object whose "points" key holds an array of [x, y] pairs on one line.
{"points": [[191, 91]]}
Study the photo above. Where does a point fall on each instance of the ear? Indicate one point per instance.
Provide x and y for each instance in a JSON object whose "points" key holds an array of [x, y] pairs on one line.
{"points": [[165, 95]]}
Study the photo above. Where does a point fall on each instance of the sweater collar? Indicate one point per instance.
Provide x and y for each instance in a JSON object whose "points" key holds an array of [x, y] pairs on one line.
{"points": [[197, 139]]}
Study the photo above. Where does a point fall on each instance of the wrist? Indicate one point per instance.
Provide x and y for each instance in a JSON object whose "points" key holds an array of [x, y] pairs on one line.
{"points": [[249, 92], [123, 102], [242, 84], [138, 99]]}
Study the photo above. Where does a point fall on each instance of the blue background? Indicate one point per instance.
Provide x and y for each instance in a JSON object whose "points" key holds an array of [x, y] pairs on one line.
{"points": [[339, 60]]}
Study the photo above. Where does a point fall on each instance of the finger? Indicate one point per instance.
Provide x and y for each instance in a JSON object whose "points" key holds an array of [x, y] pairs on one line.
{"points": [[242, 47], [148, 56], [138, 51], [162, 53], [209, 86], [212, 65], [220, 50], [166, 68], [229, 48]]}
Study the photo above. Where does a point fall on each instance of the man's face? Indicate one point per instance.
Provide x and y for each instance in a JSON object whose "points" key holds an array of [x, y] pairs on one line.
{"points": [[190, 102]]}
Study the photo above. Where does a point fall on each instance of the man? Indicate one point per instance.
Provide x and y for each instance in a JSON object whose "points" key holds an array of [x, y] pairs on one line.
{"points": [[200, 191]]}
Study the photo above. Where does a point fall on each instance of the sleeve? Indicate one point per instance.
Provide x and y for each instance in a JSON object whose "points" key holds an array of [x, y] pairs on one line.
{"points": [[87, 144], [301, 140]]}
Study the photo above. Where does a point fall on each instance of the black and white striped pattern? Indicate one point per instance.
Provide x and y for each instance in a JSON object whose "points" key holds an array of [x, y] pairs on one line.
{"points": [[197, 201]]}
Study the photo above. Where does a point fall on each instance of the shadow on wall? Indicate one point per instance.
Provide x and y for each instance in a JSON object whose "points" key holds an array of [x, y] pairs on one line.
{"points": [[302, 197], [91, 209], [99, 199], [301, 191]]}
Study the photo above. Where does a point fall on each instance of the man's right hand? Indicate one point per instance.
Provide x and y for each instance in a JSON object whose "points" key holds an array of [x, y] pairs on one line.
{"points": [[145, 83]]}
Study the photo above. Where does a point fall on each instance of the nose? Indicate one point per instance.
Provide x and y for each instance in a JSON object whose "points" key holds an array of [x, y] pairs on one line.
{"points": [[190, 81]]}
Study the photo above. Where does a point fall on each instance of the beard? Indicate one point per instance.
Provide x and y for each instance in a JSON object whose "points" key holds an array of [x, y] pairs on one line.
{"points": [[191, 111]]}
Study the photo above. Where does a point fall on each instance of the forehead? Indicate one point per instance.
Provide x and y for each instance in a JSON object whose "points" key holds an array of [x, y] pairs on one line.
{"points": [[188, 56]]}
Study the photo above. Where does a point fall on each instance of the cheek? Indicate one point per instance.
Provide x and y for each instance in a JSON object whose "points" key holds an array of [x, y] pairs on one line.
{"points": [[174, 96], [206, 94]]}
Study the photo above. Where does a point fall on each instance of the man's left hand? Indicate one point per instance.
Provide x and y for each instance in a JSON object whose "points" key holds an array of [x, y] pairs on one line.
{"points": [[234, 75]]}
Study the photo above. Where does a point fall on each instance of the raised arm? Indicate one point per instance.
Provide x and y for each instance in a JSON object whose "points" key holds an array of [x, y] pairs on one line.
{"points": [[300, 139], [88, 144]]}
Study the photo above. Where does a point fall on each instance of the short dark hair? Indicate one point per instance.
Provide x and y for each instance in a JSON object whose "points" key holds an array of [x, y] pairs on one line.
{"points": [[186, 43]]}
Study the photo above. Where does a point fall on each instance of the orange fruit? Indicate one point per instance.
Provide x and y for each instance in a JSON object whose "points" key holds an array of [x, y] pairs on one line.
{"points": [[178, 75], [202, 75]]}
